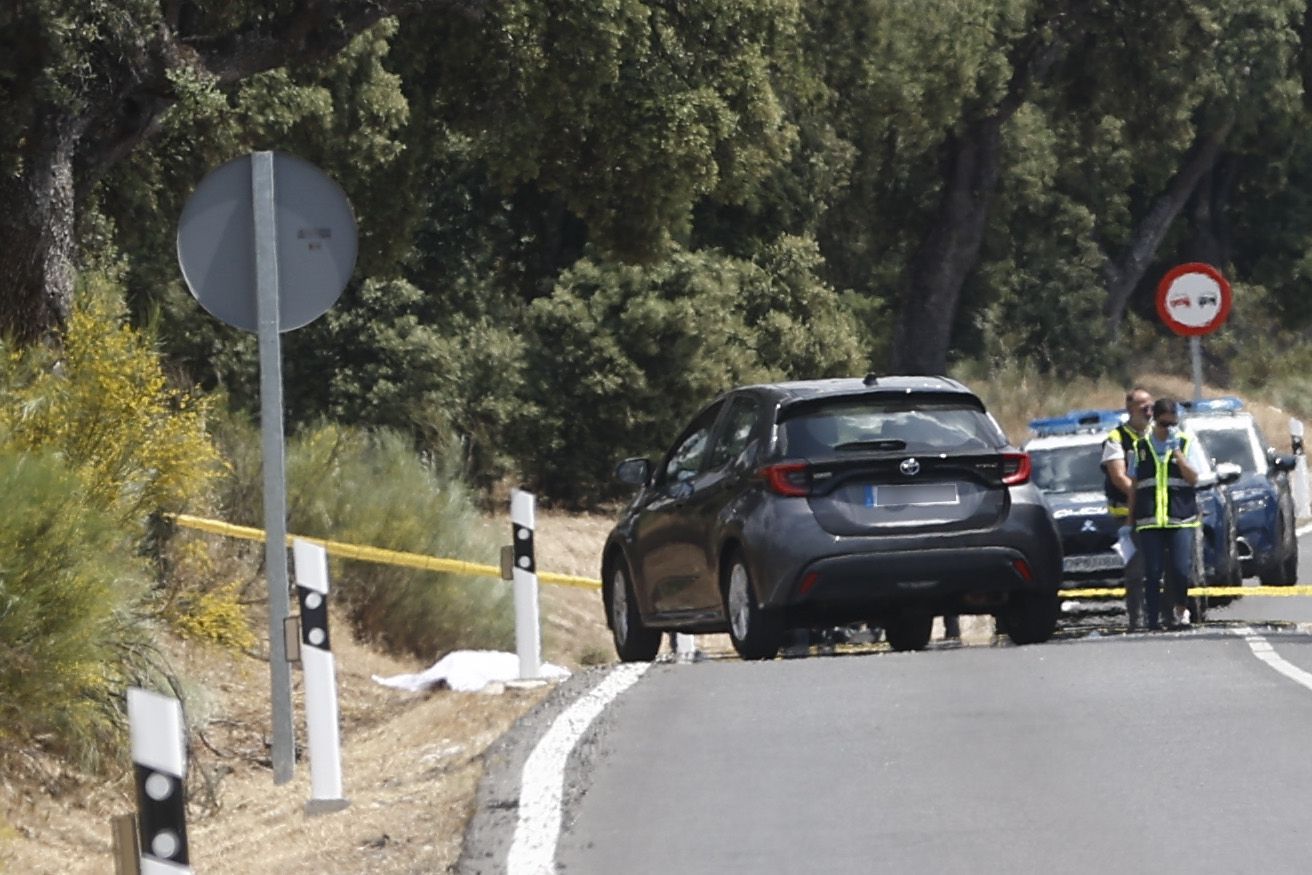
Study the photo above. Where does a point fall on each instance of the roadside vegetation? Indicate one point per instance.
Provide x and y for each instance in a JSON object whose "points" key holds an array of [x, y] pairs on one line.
{"points": [[578, 224]]}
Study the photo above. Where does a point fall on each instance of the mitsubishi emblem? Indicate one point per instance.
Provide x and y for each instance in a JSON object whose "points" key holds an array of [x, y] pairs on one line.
{"points": [[1088, 526], [910, 467]]}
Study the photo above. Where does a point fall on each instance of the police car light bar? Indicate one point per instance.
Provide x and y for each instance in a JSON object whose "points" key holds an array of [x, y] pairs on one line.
{"points": [[1076, 421], [1224, 404]]}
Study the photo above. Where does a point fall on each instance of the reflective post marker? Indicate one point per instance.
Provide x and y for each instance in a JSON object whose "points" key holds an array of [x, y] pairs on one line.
{"points": [[527, 633], [275, 485], [159, 759], [685, 647], [1302, 495], [321, 720]]}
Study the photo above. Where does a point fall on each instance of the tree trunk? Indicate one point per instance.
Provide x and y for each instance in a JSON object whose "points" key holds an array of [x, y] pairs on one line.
{"points": [[972, 165], [36, 235], [1124, 273], [1211, 240], [949, 251]]}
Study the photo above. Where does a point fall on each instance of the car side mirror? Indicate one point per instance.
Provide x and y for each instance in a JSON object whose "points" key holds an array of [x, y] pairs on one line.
{"points": [[1284, 461], [1228, 472], [634, 472]]}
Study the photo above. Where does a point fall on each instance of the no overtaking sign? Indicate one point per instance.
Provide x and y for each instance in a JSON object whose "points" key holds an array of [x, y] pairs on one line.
{"points": [[1193, 299]]}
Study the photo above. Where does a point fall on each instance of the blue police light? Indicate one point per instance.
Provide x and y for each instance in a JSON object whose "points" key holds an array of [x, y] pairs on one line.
{"points": [[1076, 421], [1224, 404]]}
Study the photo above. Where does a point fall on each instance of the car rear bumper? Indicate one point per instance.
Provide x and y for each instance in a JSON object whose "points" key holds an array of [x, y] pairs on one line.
{"points": [[860, 577], [874, 577]]}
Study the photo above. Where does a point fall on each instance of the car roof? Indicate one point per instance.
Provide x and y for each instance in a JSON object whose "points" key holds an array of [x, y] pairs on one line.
{"points": [[873, 384], [1058, 441], [1218, 421]]}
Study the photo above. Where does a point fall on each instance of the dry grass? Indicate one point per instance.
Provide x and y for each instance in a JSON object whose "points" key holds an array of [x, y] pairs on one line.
{"points": [[410, 762]]}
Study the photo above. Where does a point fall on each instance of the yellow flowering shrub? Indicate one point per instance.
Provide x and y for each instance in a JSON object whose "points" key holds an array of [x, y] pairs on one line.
{"points": [[138, 443], [216, 616]]}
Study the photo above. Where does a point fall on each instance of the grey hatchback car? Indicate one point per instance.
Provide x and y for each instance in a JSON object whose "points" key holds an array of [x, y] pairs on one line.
{"points": [[820, 503]]}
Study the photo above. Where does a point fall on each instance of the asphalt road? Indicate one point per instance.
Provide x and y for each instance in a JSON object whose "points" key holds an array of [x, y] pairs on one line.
{"points": [[1173, 752]]}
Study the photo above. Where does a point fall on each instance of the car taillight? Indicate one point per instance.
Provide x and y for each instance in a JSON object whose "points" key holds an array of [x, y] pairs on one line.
{"points": [[788, 478], [1015, 468]]}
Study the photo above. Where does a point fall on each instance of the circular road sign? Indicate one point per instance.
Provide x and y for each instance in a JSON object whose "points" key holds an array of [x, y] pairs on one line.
{"points": [[316, 234], [1193, 299]]}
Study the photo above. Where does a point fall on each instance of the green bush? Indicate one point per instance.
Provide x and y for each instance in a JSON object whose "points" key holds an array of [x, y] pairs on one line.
{"points": [[370, 487], [71, 627], [625, 354]]}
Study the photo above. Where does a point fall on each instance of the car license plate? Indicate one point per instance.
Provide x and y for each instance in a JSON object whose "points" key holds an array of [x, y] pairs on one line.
{"points": [[1093, 562], [902, 495]]}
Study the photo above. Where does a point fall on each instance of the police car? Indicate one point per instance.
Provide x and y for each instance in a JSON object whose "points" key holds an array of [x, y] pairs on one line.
{"points": [[1263, 499], [1066, 456]]}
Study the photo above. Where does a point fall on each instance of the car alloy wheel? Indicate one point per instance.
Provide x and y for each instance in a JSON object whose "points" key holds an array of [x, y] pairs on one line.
{"points": [[740, 608], [634, 642], [619, 606], [756, 633]]}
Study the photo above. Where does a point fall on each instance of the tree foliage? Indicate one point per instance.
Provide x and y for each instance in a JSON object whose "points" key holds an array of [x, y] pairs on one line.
{"points": [[558, 200]]}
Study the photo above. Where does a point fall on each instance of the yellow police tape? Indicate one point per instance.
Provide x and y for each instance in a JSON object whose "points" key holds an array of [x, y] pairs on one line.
{"points": [[1119, 591], [377, 554]]}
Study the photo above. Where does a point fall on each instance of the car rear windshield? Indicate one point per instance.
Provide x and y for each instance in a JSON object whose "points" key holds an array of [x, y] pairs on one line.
{"points": [[1068, 469], [874, 424], [1230, 445]]}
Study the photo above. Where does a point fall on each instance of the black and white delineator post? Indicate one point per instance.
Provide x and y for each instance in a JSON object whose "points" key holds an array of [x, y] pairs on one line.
{"points": [[1302, 495], [320, 680], [159, 758], [527, 634]]}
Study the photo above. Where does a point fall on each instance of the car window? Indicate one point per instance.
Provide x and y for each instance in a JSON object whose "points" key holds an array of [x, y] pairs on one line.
{"points": [[1230, 445], [737, 431], [685, 460], [1068, 469], [894, 424]]}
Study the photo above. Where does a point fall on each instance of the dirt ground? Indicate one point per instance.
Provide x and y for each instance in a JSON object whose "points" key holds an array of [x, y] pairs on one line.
{"points": [[410, 761]]}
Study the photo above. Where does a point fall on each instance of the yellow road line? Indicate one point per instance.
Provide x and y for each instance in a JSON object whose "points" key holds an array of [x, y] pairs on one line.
{"points": [[377, 554], [1265, 591]]}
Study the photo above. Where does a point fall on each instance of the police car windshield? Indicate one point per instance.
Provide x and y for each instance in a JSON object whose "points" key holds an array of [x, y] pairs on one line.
{"points": [[1229, 445], [1068, 469]]}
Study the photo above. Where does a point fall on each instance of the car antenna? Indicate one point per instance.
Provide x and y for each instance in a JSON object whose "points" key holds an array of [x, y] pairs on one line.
{"points": [[871, 379]]}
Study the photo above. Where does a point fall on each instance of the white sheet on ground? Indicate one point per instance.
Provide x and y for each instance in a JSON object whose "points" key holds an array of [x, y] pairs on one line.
{"points": [[467, 671]]}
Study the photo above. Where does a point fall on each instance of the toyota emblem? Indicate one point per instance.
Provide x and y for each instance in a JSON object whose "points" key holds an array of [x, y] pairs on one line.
{"points": [[910, 467]]}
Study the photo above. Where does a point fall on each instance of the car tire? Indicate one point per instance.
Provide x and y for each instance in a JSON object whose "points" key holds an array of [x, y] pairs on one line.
{"points": [[1231, 572], [909, 631], [1283, 571], [1031, 617], [1289, 568], [1198, 604], [634, 642], [756, 633]]}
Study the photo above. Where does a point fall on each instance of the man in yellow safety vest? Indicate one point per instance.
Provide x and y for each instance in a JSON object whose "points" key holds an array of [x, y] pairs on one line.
{"points": [[1119, 488], [1168, 462]]}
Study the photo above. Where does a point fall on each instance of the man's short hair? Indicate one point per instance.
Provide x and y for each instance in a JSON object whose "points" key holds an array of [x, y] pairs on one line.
{"points": [[1129, 396]]}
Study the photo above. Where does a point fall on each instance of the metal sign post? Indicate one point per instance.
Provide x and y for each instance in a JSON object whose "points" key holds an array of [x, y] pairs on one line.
{"points": [[271, 441], [1196, 359], [267, 243]]}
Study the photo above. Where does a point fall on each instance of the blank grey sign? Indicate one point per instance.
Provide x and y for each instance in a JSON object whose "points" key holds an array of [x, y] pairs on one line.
{"points": [[317, 242]]}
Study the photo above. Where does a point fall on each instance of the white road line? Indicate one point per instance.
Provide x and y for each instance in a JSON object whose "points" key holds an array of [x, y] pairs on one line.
{"points": [[1263, 650], [1303, 529], [533, 851]]}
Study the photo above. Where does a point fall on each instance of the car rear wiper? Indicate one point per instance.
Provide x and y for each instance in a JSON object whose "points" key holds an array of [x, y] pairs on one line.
{"points": [[881, 444]]}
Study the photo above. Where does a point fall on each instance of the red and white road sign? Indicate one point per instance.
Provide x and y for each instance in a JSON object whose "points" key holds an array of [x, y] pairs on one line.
{"points": [[1193, 299]]}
